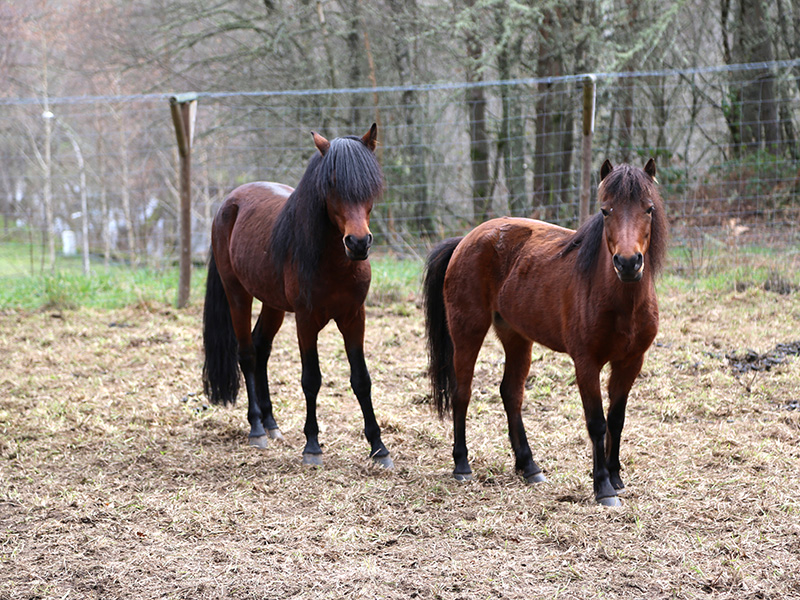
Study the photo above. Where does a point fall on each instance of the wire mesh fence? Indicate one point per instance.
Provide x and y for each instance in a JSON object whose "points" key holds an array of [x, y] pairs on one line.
{"points": [[101, 173]]}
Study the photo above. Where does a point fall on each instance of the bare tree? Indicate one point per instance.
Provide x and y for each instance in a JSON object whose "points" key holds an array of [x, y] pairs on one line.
{"points": [[511, 142], [411, 161], [753, 116], [554, 135]]}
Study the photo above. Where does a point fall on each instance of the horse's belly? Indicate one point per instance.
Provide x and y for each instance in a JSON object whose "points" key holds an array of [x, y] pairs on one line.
{"points": [[541, 328], [536, 309]]}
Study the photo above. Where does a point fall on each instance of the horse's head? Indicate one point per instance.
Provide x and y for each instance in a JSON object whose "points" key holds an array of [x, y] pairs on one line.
{"points": [[628, 200], [353, 182]]}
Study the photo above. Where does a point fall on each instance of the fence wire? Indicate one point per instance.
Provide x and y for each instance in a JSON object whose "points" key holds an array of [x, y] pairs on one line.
{"points": [[725, 141]]}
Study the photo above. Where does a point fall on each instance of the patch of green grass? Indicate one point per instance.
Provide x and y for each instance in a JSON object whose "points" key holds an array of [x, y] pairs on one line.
{"points": [[394, 280], [24, 285], [113, 288], [725, 269]]}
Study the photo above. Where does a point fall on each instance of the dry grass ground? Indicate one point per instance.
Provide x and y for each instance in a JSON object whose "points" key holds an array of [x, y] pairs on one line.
{"points": [[117, 481]]}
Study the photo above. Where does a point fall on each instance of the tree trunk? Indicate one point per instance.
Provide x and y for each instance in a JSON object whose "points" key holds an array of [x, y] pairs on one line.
{"points": [[125, 189], [358, 117], [554, 122], [626, 94], [511, 144], [414, 193], [754, 91], [478, 137], [331, 66]]}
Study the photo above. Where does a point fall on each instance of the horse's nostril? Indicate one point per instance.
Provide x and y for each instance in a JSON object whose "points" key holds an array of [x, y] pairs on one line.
{"points": [[369, 240], [348, 241]]}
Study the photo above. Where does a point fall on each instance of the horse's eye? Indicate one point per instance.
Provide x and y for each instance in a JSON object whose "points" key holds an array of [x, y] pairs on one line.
{"points": [[649, 210], [605, 212]]}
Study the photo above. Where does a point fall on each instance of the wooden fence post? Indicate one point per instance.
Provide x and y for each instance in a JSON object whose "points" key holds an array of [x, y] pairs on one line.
{"points": [[589, 95], [184, 109]]}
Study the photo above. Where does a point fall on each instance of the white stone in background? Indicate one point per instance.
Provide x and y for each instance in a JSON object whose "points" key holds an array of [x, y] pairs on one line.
{"points": [[69, 243]]}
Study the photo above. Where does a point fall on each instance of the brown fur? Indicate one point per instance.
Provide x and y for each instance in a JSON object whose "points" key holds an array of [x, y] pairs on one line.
{"points": [[537, 282], [298, 250]]}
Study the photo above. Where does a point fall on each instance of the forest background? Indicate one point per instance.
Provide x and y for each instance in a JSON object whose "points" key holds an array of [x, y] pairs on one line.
{"points": [[478, 102], [118, 480]]}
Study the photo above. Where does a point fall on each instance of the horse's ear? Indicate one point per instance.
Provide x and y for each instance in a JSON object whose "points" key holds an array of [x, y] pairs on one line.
{"points": [[370, 138], [650, 168], [321, 143], [605, 169]]}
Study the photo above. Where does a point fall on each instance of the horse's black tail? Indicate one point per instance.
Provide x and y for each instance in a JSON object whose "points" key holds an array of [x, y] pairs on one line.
{"points": [[221, 366], [440, 344]]}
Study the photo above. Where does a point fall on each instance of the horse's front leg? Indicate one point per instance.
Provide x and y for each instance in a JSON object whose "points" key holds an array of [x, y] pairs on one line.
{"points": [[588, 377], [352, 330], [623, 374], [311, 381]]}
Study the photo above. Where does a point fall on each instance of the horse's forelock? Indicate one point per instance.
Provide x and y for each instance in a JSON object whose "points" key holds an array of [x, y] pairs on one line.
{"points": [[626, 183], [351, 170]]}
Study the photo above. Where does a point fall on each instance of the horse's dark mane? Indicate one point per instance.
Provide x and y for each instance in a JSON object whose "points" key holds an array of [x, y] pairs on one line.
{"points": [[350, 172], [587, 242], [624, 183]]}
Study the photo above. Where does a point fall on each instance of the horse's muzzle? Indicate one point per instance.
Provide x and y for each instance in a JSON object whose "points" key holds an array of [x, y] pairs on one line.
{"points": [[629, 268], [357, 248]]}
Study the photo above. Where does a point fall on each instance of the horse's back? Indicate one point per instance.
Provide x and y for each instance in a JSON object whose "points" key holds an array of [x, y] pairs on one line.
{"points": [[495, 248], [507, 235], [511, 270], [261, 200]]}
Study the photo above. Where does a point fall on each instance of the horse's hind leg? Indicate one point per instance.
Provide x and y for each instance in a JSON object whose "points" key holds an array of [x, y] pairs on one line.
{"points": [[352, 330], [468, 329], [464, 357], [512, 390], [620, 382], [269, 321], [241, 306]]}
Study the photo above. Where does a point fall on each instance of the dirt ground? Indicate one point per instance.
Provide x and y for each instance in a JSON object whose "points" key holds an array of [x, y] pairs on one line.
{"points": [[118, 481]]}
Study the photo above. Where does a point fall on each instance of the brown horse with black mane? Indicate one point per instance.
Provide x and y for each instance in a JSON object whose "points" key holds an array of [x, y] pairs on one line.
{"points": [[589, 293], [303, 251]]}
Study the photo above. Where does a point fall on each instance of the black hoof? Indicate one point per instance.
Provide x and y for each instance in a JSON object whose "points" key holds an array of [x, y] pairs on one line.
{"points": [[610, 501], [261, 441], [384, 461], [275, 434], [462, 477], [312, 460], [536, 478]]}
